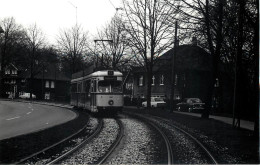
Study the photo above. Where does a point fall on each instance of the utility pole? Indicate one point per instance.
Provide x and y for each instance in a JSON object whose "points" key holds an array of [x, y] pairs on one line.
{"points": [[76, 12], [172, 106], [101, 40], [1, 68]]}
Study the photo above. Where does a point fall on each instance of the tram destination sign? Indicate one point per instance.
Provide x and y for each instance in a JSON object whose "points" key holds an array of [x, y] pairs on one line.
{"points": [[110, 78]]}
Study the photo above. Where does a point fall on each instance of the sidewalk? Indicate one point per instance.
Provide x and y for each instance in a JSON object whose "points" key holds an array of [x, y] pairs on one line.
{"points": [[243, 123]]}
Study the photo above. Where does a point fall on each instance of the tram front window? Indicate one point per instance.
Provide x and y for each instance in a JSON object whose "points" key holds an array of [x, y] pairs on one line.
{"points": [[109, 86]]}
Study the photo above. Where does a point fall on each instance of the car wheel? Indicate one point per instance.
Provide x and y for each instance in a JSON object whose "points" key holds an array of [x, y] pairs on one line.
{"points": [[152, 106]]}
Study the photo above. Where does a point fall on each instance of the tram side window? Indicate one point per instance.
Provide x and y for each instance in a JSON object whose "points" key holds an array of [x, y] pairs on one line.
{"points": [[87, 86], [84, 87], [73, 88], [80, 87]]}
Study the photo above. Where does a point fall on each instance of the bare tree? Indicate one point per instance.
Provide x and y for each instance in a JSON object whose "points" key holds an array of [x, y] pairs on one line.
{"points": [[115, 54], [203, 19], [228, 30], [11, 39], [35, 40], [73, 44], [147, 24]]}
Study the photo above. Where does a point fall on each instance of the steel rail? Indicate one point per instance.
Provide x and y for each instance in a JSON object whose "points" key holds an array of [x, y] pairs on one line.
{"points": [[115, 144], [63, 156], [166, 140], [192, 137], [53, 145]]}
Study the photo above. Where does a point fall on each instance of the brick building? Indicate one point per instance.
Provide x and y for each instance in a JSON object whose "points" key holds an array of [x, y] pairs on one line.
{"points": [[192, 74]]}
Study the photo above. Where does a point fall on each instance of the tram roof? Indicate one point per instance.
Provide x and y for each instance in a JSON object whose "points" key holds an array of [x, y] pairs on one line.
{"points": [[105, 73], [98, 74]]}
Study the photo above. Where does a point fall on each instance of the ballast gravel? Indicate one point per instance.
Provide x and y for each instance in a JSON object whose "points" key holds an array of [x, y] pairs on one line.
{"points": [[185, 150], [91, 127], [138, 145], [95, 149]]}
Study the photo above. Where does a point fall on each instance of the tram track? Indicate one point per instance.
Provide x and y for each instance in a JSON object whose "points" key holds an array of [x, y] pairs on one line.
{"points": [[145, 143], [81, 144], [114, 145], [98, 149], [34, 158], [161, 124], [167, 143], [214, 161]]}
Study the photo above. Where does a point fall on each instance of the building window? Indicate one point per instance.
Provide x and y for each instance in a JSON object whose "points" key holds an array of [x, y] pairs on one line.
{"points": [[14, 72], [13, 81], [7, 71], [217, 83], [141, 80], [52, 84], [47, 96], [162, 80], [153, 80], [47, 85]]}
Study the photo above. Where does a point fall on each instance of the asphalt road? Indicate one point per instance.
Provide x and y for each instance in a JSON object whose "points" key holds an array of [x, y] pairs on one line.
{"points": [[18, 118]]}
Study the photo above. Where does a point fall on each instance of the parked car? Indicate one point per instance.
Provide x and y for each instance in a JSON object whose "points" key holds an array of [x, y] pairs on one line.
{"points": [[190, 105], [155, 102], [27, 96]]}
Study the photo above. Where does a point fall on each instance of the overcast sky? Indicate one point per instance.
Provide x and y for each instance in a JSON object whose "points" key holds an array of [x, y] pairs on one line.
{"points": [[53, 15]]}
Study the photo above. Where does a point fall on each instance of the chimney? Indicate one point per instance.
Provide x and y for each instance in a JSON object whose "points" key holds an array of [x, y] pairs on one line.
{"points": [[194, 41]]}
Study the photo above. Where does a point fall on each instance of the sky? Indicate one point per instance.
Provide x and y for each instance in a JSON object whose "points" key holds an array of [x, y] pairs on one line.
{"points": [[53, 15]]}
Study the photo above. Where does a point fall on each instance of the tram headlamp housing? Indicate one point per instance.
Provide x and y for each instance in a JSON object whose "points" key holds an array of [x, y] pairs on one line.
{"points": [[110, 102]]}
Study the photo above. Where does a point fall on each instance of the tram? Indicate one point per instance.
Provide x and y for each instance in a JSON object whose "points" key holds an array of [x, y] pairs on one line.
{"points": [[98, 91]]}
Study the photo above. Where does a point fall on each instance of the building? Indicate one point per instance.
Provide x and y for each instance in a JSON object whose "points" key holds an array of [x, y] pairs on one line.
{"points": [[192, 74], [11, 81], [48, 84]]}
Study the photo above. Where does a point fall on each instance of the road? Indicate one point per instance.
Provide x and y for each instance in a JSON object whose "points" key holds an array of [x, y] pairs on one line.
{"points": [[18, 118]]}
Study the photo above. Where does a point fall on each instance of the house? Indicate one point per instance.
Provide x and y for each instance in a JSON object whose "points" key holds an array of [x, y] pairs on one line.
{"points": [[10, 81], [48, 84], [192, 69]]}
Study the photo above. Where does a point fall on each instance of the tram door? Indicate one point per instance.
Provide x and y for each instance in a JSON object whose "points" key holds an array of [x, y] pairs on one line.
{"points": [[93, 95]]}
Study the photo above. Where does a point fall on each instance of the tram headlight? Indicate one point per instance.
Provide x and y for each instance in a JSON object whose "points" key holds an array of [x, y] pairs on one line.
{"points": [[110, 102]]}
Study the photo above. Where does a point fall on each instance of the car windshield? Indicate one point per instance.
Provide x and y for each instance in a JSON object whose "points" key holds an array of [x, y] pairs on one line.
{"points": [[110, 86], [158, 99]]}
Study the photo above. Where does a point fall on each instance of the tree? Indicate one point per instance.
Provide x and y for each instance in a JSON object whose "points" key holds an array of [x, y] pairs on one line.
{"points": [[73, 44], [11, 44], [115, 54], [204, 19], [228, 30], [35, 40], [149, 33]]}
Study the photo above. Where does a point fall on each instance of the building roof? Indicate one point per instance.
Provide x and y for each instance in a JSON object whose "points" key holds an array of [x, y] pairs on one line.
{"points": [[188, 57], [49, 74]]}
